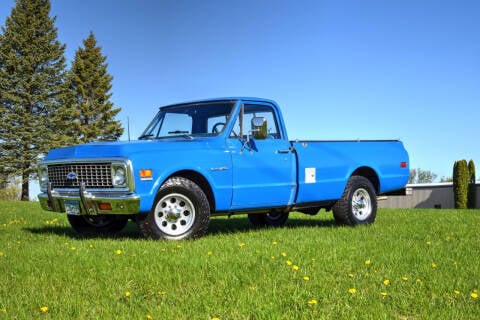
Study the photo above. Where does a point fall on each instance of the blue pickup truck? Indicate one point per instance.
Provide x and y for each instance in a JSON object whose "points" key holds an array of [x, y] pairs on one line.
{"points": [[217, 157]]}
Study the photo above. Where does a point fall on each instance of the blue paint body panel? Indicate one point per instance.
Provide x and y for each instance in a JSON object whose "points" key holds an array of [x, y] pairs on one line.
{"points": [[255, 174], [335, 161]]}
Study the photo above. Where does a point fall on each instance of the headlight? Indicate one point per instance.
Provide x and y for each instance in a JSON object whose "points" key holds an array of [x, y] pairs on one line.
{"points": [[43, 177], [119, 176]]}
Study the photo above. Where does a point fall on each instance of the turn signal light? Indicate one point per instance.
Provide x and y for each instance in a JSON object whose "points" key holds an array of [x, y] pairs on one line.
{"points": [[146, 174], [105, 206], [403, 164]]}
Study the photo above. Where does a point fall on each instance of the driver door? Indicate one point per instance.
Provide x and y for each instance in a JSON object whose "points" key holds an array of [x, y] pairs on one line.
{"points": [[263, 168]]}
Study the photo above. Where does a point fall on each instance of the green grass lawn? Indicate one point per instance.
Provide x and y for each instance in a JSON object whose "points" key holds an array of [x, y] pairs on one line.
{"points": [[410, 264]]}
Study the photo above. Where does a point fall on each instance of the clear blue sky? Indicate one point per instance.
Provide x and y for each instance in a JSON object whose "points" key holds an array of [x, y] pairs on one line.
{"points": [[340, 69]]}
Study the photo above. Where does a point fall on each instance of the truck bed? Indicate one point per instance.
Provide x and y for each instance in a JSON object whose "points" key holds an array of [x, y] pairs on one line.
{"points": [[324, 166]]}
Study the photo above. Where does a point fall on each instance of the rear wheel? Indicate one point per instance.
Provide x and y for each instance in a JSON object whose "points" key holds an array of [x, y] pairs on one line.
{"points": [[271, 219], [181, 210], [98, 224], [358, 204]]}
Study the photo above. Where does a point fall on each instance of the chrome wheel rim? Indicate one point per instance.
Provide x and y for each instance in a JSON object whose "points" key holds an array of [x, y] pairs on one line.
{"points": [[274, 216], [174, 214], [361, 204]]}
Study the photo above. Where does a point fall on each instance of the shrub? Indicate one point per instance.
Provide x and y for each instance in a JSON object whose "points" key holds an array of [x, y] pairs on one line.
{"points": [[460, 184], [472, 188], [10, 193]]}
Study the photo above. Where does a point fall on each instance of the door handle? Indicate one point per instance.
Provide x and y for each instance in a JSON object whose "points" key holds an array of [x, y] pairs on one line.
{"points": [[284, 151]]}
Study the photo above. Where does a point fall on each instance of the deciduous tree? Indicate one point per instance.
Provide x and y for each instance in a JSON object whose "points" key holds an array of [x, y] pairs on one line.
{"points": [[421, 176]]}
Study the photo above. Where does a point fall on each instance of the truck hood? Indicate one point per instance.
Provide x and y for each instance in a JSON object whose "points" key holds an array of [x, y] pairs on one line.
{"points": [[124, 148]]}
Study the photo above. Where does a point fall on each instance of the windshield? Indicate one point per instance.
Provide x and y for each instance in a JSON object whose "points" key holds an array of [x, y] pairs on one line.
{"points": [[189, 120]]}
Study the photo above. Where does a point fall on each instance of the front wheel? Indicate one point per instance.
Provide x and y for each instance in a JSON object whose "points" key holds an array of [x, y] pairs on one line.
{"points": [[98, 224], [358, 204], [181, 210]]}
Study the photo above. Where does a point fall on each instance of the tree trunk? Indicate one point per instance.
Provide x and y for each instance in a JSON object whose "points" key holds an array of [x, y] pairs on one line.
{"points": [[25, 180]]}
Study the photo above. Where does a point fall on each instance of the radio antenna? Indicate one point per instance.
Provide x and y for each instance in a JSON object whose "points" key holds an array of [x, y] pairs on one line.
{"points": [[128, 128]]}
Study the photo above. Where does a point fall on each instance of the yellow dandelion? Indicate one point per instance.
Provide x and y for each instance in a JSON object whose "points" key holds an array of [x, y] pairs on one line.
{"points": [[429, 243], [3, 310], [43, 309], [295, 268], [474, 295], [284, 254], [456, 292], [386, 282], [119, 252], [149, 317], [273, 257], [73, 248], [434, 265], [418, 280], [352, 290], [215, 318], [384, 294], [161, 293], [312, 302], [314, 260], [209, 253], [405, 278], [1, 254], [127, 294], [306, 278], [242, 244], [350, 275], [368, 262], [274, 243], [289, 263]]}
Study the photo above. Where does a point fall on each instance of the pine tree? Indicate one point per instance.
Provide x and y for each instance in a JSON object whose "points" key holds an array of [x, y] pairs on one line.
{"points": [[91, 84], [34, 93]]}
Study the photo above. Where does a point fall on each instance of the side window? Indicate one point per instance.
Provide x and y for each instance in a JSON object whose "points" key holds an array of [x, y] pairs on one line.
{"points": [[251, 111], [216, 124]]}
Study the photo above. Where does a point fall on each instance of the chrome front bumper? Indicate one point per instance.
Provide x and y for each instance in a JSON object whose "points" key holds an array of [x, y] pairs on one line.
{"points": [[82, 202]]}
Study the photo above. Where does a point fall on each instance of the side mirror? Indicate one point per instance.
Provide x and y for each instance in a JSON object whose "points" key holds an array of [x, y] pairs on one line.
{"points": [[259, 128]]}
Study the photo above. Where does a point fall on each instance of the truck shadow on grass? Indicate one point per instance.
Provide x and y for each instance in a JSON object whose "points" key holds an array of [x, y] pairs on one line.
{"points": [[218, 225], [130, 232], [242, 224]]}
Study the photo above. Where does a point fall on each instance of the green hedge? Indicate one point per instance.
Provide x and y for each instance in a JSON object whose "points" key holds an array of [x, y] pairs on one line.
{"points": [[472, 189], [461, 178]]}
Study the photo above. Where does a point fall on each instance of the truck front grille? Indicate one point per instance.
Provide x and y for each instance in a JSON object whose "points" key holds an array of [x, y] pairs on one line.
{"points": [[95, 175]]}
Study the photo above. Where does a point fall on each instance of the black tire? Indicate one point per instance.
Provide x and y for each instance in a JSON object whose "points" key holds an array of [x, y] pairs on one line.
{"points": [[358, 204], [97, 224], [180, 211], [271, 219]]}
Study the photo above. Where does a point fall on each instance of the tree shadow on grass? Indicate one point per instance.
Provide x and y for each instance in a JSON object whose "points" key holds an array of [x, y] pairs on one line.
{"points": [[218, 225]]}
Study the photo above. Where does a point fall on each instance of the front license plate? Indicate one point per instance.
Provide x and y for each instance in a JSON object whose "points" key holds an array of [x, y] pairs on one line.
{"points": [[72, 207]]}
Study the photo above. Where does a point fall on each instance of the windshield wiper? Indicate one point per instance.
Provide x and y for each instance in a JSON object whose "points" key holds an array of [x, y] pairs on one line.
{"points": [[145, 136], [183, 133]]}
